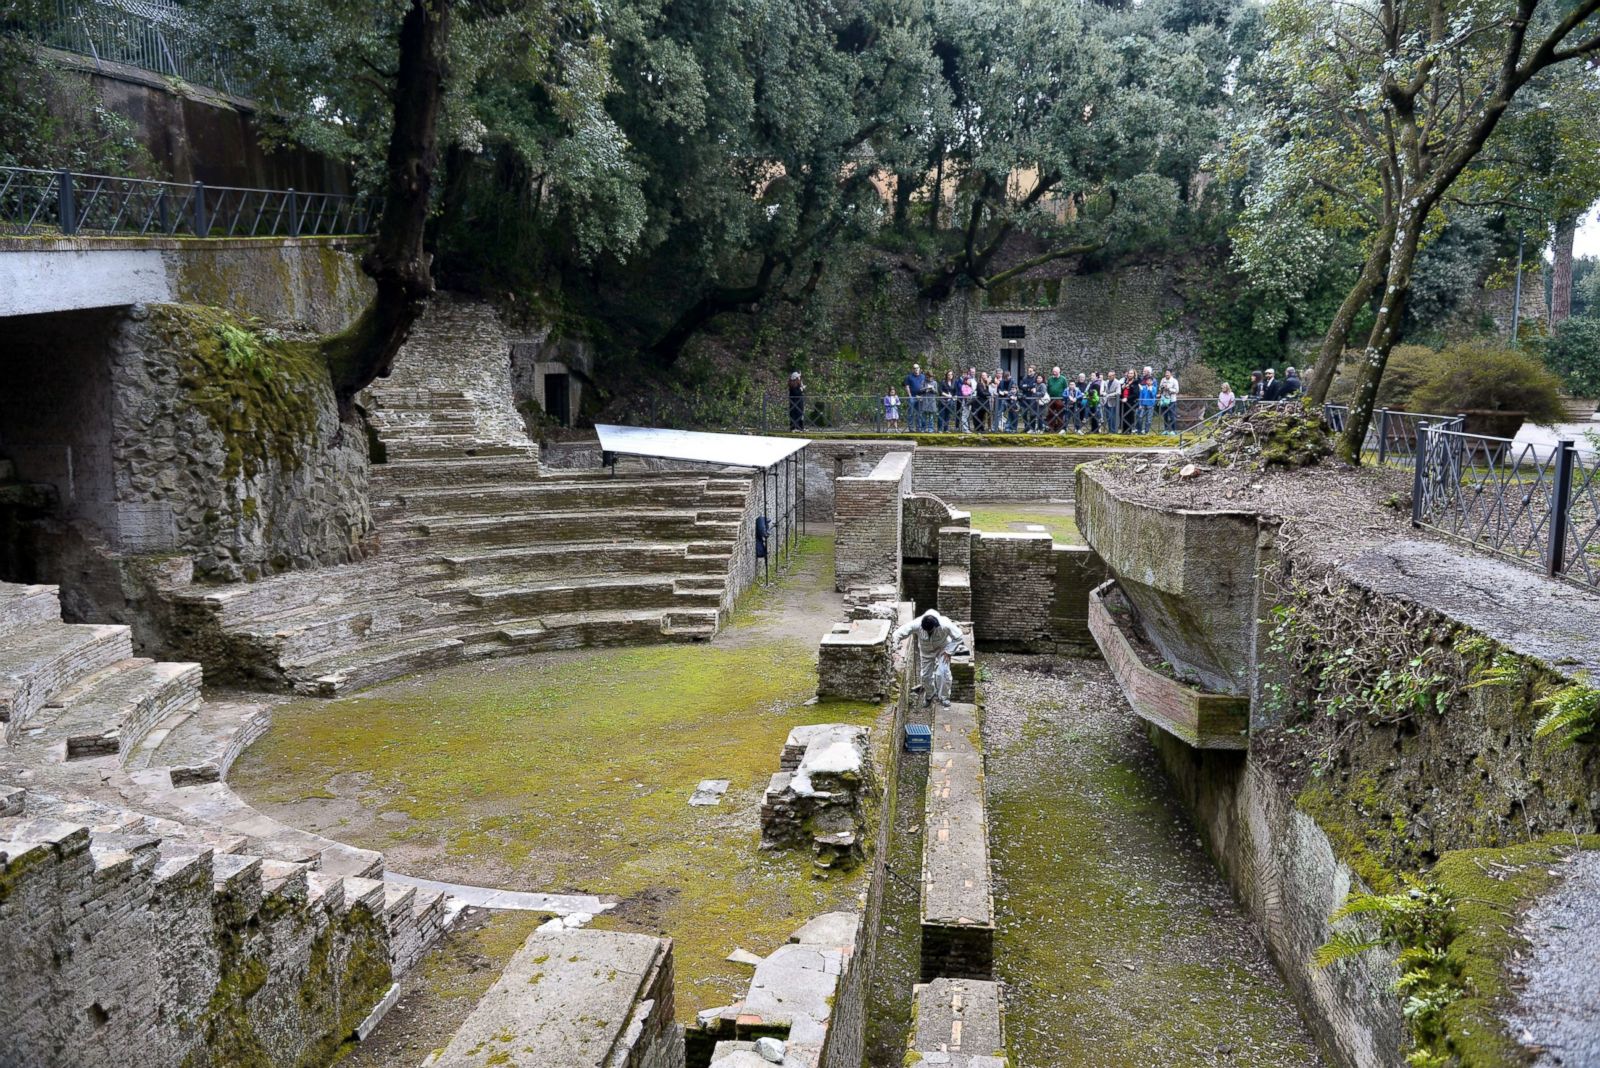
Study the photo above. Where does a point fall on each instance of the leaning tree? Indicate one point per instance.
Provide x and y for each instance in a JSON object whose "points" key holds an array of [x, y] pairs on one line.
{"points": [[1418, 89]]}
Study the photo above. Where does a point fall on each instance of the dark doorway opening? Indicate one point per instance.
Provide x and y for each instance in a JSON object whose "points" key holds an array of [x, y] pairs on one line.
{"points": [[558, 398]]}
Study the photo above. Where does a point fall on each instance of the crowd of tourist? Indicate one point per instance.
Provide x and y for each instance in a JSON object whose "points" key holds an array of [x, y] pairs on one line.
{"points": [[1134, 402]]}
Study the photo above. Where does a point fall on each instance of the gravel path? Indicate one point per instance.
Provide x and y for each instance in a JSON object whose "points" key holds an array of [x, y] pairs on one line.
{"points": [[1558, 1008], [1119, 942]]}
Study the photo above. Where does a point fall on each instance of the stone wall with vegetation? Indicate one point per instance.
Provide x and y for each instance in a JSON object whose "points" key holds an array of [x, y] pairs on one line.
{"points": [[124, 953], [1411, 780], [228, 447]]}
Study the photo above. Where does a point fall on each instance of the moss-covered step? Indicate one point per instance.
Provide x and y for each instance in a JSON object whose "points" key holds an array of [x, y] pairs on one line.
{"points": [[1192, 715]]}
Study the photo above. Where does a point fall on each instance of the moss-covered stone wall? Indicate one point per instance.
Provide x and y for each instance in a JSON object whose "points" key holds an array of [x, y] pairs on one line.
{"points": [[227, 446]]}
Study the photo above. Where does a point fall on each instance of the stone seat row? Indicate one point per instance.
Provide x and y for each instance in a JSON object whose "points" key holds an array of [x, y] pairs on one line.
{"points": [[481, 554]]}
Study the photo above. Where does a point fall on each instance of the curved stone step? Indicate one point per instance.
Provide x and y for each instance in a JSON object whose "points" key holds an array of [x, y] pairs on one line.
{"points": [[509, 497], [592, 593], [110, 712], [202, 746], [576, 559], [370, 663], [41, 661], [28, 606], [536, 527]]}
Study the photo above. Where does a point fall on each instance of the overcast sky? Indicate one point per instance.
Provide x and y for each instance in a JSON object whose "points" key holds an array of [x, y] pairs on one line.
{"points": [[1588, 243]]}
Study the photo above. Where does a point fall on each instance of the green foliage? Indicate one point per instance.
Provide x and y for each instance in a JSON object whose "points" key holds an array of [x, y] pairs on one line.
{"points": [[1573, 352], [1485, 376], [1419, 922], [52, 118], [1572, 715]]}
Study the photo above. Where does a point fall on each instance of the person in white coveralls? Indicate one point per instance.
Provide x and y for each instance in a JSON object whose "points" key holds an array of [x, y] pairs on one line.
{"points": [[937, 639]]}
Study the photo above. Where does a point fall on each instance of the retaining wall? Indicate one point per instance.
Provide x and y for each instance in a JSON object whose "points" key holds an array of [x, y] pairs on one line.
{"points": [[1031, 594]]}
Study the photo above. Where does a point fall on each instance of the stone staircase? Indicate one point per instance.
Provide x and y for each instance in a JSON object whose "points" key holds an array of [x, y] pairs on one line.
{"points": [[482, 554], [125, 751]]}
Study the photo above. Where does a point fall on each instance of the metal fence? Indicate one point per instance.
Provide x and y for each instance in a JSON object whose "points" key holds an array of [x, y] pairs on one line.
{"points": [[1393, 434], [155, 35], [863, 413], [67, 203], [1535, 504]]}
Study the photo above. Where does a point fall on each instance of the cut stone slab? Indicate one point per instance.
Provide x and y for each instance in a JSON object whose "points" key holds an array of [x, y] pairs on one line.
{"points": [[958, 1016], [829, 929], [743, 956], [709, 792], [564, 1000]]}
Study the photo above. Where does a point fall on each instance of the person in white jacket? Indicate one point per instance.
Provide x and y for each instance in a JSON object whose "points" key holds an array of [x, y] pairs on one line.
{"points": [[937, 638]]}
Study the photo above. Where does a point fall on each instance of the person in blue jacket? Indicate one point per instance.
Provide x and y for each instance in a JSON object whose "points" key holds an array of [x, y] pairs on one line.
{"points": [[1147, 404]]}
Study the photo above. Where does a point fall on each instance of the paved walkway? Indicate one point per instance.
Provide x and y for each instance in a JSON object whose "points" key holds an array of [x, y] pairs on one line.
{"points": [[486, 897], [1549, 620]]}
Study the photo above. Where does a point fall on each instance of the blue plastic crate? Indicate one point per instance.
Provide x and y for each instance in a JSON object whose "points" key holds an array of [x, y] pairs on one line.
{"points": [[919, 738]]}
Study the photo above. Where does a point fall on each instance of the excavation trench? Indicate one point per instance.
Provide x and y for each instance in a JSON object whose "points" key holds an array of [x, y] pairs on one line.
{"points": [[1118, 941]]}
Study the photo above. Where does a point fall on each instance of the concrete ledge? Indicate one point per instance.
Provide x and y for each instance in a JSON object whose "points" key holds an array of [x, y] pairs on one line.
{"points": [[957, 897], [1191, 575], [1202, 720]]}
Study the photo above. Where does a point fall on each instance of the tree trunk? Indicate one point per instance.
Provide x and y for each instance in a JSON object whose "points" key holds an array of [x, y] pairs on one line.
{"points": [[1561, 271], [397, 261], [1385, 333], [1337, 339]]}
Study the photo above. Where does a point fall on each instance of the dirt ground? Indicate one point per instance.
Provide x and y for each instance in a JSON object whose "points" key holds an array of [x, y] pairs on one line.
{"points": [[1119, 943], [571, 772]]}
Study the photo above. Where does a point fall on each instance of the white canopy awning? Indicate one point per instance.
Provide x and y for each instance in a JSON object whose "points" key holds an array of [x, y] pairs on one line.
{"points": [[730, 450]]}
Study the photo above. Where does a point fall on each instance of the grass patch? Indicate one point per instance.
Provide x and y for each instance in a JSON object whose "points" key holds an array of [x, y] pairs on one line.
{"points": [[1059, 523], [573, 774]]}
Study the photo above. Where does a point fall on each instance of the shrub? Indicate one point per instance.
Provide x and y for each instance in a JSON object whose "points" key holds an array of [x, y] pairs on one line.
{"points": [[1574, 354], [1479, 376]]}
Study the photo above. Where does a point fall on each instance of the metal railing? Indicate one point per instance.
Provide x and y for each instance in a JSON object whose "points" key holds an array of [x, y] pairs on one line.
{"points": [[155, 35], [1535, 504], [864, 413], [66, 203], [1393, 434]]}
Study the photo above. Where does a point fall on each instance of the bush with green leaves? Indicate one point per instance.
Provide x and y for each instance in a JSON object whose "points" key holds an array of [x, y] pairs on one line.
{"points": [[1479, 376], [1573, 352]]}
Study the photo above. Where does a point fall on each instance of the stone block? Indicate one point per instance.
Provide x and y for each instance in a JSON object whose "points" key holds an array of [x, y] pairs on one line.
{"points": [[854, 662]]}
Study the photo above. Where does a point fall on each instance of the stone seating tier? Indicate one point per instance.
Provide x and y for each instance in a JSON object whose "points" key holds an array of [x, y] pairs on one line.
{"points": [[480, 553]]}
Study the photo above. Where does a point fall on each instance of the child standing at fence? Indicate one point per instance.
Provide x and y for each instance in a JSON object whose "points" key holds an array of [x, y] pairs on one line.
{"points": [[891, 410]]}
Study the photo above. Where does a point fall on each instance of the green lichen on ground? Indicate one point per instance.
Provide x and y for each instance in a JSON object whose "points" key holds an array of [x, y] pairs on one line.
{"points": [[573, 773], [1490, 887], [1109, 918], [260, 393], [1058, 521]]}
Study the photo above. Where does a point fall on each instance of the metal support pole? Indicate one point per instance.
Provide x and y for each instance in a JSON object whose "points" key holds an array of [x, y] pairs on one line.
{"points": [[199, 222], [766, 562], [1560, 506], [294, 214], [1383, 435], [803, 488], [1516, 293], [1419, 476], [66, 209]]}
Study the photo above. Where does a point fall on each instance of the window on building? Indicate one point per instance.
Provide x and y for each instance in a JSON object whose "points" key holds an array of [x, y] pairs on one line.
{"points": [[1013, 333]]}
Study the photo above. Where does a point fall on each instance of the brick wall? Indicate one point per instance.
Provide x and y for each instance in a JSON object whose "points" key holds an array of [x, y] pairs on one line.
{"points": [[867, 547], [746, 567], [1031, 595], [1001, 474], [965, 473]]}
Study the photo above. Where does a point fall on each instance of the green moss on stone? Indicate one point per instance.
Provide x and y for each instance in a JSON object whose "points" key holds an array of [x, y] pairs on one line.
{"points": [[260, 395]]}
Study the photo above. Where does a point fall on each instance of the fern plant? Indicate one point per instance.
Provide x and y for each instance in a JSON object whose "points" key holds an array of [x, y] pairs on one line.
{"points": [[1572, 716], [1417, 920]]}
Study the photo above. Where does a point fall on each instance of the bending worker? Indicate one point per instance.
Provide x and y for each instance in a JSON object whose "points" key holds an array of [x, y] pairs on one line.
{"points": [[937, 639]]}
